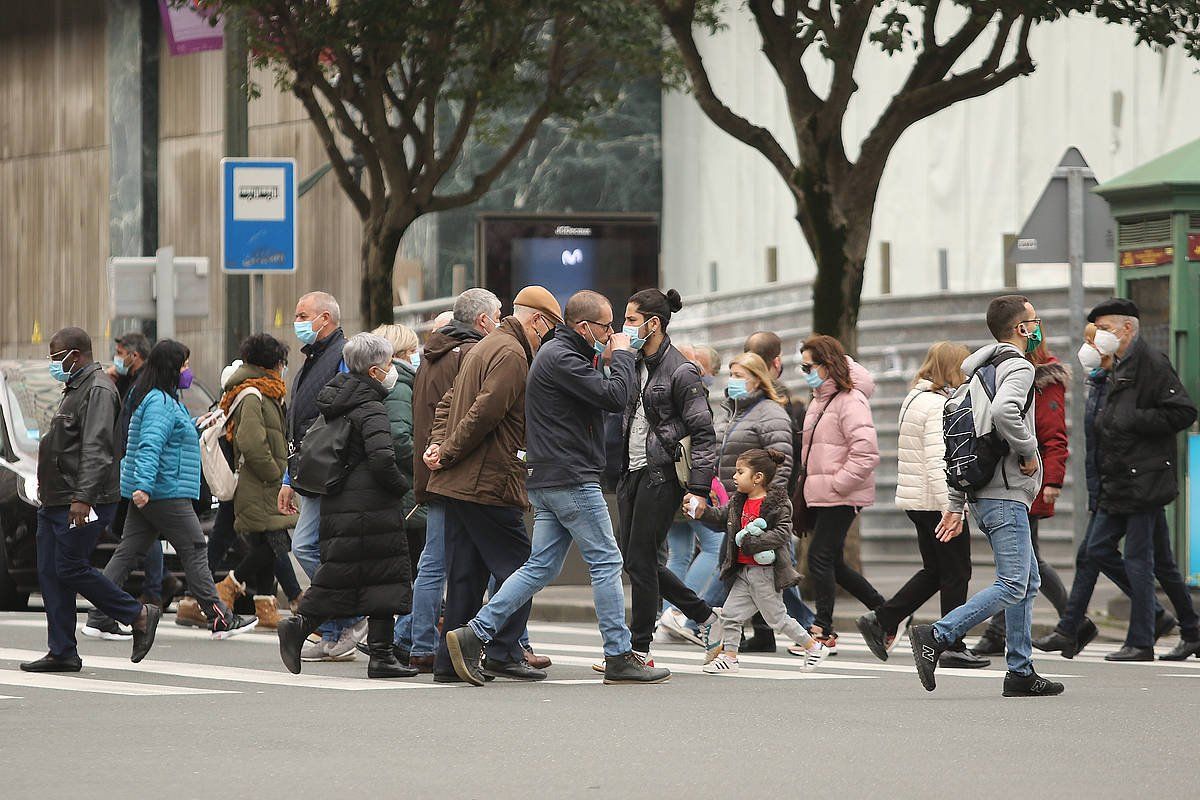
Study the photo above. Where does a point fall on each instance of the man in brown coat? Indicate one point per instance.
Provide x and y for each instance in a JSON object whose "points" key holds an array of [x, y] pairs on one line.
{"points": [[476, 454]]}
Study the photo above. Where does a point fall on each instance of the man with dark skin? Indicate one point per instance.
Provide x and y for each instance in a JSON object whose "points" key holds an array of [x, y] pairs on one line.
{"points": [[78, 503]]}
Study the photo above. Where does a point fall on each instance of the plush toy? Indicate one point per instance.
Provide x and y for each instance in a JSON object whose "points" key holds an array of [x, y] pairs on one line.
{"points": [[754, 529], [765, 558]]}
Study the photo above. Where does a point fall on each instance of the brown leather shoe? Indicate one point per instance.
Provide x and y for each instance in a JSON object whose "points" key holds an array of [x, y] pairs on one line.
{"points": [[423, 664], [188, 613], [536, 661], [266, 611], [229, 590]]}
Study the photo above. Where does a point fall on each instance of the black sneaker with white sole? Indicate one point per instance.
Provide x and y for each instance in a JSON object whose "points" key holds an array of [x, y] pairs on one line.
{"points": [[926, 651], [228, 625], [108, 630], [1031, 685], [873, 634]]}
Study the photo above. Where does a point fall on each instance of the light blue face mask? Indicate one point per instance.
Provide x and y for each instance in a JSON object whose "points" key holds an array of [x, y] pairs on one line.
{"points": [[57, 371], [736, 388], [304, 331], [635, 341], [415, 359], [813, 379], [121, 365]]}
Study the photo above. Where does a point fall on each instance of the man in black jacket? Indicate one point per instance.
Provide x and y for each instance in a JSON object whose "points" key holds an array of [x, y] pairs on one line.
{"points": [[565, 397], [79, 485], [1137, 432]]}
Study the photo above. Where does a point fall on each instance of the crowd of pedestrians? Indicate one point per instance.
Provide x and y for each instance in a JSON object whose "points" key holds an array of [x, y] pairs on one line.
{"points": [[397, 474]]}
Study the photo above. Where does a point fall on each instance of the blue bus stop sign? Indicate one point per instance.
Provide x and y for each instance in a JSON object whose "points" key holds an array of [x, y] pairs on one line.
{"points": [[258, 216]]}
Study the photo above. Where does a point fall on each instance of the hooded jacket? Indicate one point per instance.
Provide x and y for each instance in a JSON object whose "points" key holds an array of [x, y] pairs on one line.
{"points": [[1050, 421], [565, 400], [484, 423], [260, 447], [1137, 432], [399, 404], [79, 457], [921, 462], [777, 513], [1015, 424], [364, 550], [753, 421], [840, 445], [441, 359], [675, 402]]}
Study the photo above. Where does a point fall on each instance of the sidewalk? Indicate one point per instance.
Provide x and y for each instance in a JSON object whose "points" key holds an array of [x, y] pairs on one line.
{"points": [[574, 603]]}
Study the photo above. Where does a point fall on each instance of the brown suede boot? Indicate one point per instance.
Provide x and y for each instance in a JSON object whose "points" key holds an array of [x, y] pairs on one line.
{"points": [[229, 590], [266, 611], [188, 613]]}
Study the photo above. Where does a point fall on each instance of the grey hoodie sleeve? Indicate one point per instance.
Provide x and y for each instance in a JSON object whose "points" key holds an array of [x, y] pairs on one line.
{"points": [[1014, 379]]}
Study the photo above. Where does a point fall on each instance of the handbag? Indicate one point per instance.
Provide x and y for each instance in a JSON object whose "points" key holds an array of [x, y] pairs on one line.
{"points": [[802, 516]]}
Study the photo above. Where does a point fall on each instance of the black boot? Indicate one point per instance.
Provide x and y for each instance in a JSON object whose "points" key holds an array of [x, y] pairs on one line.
{"points": [[384, 664], [292, 633], [466, 649]]}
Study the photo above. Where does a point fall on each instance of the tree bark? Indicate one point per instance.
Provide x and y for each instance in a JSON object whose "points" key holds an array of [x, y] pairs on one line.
{"points": [[380, 244]]}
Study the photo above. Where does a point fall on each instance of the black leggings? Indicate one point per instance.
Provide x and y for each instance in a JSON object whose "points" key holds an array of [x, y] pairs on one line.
{"points": [[257, 567], [945, 569], [827, 566]]}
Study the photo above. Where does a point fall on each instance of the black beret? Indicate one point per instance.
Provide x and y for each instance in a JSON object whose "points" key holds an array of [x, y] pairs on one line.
{"points": [[1114, 305]]}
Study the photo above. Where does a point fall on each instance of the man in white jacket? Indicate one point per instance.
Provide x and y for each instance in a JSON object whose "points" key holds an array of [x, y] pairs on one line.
{"points": [[1000, 507]]}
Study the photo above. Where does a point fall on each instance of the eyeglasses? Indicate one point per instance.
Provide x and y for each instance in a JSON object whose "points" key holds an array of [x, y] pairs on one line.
{"points": [[604, 326], [1034, 321], [807, 368]]}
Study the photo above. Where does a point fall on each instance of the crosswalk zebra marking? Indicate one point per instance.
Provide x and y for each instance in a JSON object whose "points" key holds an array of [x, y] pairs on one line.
{"points": [[74, 683]]}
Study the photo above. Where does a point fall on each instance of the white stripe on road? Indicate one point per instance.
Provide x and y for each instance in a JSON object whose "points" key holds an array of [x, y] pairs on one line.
{"points": [[8, 697], [237, 674], [71, 683], [696, 669]]}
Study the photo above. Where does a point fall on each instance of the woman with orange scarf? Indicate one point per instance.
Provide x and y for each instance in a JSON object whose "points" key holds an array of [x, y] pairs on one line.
{"points": [[253, 401]]}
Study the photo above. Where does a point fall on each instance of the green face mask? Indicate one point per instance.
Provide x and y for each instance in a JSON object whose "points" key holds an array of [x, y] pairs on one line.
{"points": [[1034, 340]]}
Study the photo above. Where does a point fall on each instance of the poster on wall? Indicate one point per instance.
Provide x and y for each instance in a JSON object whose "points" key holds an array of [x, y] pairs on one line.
{"points": [[188, 29]]}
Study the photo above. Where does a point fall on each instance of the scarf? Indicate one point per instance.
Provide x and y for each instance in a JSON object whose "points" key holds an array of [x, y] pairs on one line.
{"points": [[270, 386]]}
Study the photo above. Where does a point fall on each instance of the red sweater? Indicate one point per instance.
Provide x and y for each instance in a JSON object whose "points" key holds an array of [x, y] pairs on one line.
{"points": [[1050, 419]]}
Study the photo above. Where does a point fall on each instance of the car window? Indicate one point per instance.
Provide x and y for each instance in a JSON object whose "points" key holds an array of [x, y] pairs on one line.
{"points": [[196, 399], [34, 397]]}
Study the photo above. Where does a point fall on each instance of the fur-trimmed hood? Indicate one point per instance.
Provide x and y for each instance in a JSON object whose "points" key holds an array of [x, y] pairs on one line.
{"points": [[1053, 371]]}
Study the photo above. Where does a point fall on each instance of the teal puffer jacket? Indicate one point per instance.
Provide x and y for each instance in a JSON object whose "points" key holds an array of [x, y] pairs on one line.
{"points": [[163, 455]]}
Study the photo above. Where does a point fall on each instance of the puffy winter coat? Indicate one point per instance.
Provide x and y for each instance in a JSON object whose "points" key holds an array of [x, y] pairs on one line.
{"points": [[921, 465], [1138, 431], [364, 550], [840, 444], [1050, 421], [777, 513], [399, 404], [260, 447], [163, 457], [749, 422]]}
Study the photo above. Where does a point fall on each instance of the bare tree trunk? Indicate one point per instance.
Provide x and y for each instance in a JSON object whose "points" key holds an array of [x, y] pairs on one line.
{"points": [[379, 247]]}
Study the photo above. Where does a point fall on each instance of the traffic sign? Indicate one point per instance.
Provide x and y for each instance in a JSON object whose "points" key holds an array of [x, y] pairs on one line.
{"points": [[258, 216]]}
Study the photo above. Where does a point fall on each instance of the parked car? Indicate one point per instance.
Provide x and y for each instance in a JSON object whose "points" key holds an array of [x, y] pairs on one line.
{"points": [[28, 399]]}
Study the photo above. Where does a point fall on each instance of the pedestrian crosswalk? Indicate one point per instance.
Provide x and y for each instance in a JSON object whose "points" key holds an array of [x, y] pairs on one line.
{"points": [[184, 665]]}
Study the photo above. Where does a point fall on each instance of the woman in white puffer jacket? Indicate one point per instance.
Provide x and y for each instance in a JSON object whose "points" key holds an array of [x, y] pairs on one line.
{"points": [[921, 492]]}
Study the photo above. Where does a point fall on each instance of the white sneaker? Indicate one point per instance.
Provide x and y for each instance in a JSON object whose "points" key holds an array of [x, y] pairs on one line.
{"points": [[814, 657], [676, 624], [313, 651], [344, 648], [721, 665]]}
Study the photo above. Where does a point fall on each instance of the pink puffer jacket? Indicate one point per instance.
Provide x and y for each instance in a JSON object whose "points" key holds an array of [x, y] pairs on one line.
{"points": [[842, 452]]}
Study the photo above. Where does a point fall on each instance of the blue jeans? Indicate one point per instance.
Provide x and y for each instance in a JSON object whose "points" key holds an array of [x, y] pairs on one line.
{"points": [[696, 573], [306, 546], [563, 514], [417, 632], [1005, 523]]}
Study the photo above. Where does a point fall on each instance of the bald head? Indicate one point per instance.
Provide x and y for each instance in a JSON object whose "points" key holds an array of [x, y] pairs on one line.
{"points": [[588, 306], [76, 339], [767, 346]]}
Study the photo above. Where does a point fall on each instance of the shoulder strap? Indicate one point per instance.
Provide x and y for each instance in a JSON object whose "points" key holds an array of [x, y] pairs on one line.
{"points": [[909, 402], [808, 449]]}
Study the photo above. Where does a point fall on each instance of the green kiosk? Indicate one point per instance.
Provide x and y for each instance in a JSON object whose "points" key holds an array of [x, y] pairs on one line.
{"points": [[1157, 212]]}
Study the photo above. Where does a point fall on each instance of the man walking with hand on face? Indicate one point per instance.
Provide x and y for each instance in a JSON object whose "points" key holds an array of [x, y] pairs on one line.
{"points": [[566, 396], [999, 388]]}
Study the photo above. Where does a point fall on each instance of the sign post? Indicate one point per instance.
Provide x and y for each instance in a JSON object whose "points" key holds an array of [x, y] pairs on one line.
{"points": [[160, 286], [258, 223]]}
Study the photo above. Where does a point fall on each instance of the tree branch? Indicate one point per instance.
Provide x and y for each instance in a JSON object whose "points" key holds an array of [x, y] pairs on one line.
{"points": [[341, 168]]}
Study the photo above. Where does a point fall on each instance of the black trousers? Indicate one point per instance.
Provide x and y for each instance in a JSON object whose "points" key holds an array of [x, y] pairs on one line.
{"points": [[945, 570], [481, 542], [257, 567], [380, 629], [1052, 586], [647, 501], [827, 565]]}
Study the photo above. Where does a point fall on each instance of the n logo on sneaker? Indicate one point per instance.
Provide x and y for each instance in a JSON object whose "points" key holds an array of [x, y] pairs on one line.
{"points": [[1039, 685], [928, 653]]}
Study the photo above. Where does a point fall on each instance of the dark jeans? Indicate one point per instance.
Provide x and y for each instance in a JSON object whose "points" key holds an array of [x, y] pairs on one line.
{"points": [[827, 565], [482, 541], [64, 560], [945, 570], [1100, 552], [647, 501], [1052, 586], [152, 567]]}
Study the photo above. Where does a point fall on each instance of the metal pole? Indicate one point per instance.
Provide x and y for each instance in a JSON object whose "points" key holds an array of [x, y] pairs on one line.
{"points": [[164, 292], [237, 143], [258, 303], [1078, 318], [943, 269]]}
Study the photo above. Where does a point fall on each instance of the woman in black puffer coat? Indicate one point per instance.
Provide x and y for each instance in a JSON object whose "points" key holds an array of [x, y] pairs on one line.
{"points": [[364, 568]]}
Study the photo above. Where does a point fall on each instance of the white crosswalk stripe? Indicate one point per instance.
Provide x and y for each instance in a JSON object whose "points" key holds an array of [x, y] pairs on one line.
{"points": [[74, 683]]}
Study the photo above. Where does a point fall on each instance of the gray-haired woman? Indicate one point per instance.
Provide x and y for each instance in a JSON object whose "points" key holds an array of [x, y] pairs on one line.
{"points": [[364, 551]]}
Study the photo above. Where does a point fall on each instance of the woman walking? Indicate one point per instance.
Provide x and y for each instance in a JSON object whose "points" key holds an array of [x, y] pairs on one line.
{"points": [[840, 454], [253, 401], [921, 492], [365, 569], [160, 475]]}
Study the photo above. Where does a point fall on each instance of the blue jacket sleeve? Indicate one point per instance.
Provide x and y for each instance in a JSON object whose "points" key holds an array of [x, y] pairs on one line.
{"points": [[154, 426]]}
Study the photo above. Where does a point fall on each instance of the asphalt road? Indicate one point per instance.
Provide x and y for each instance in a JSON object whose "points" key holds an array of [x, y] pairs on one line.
{"points": [[204, 719]]}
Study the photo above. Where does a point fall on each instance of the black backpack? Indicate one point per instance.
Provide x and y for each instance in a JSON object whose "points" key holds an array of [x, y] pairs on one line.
{"points": [[323, 463]]}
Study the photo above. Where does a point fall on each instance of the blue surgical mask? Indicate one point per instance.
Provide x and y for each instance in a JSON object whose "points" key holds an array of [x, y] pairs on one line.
{"points": [[304, 332], [57, 370], [736, 388], [813, 379], [415, 359], [599, 347], [121, 365], [635, 341]]}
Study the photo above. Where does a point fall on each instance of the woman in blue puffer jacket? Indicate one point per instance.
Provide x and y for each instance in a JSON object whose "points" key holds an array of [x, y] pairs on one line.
{"points": [[160, 475]]}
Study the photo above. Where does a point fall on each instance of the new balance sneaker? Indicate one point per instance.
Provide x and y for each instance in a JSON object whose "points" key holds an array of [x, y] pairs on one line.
{"points": [[926, 651], [109, 630], [723, 664], [814, 657], [1031, 685], [315, 651]]}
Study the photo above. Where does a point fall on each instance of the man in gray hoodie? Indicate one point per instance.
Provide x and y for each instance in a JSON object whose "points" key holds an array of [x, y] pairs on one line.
{"points": [[1001, 507]]}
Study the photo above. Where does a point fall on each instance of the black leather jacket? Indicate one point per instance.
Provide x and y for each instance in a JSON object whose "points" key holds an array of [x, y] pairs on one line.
{"points": [[77, 458], [676, 405]]}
